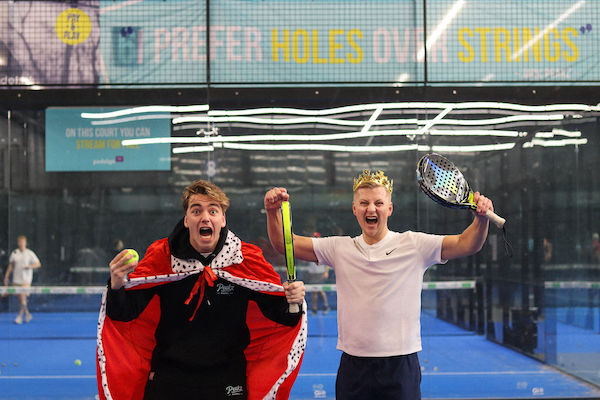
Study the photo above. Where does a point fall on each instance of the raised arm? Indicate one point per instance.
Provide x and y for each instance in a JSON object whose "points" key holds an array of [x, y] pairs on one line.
{"points": [[122, 305], [303, 247], [472, 239]]}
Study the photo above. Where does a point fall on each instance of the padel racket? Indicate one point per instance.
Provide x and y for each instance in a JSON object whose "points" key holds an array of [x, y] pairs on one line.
{"points": [[288, 242], [441, 180]]}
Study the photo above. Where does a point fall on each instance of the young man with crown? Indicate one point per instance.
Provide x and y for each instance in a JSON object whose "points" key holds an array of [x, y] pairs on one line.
{"points": [[202, 316], [379, 277]]}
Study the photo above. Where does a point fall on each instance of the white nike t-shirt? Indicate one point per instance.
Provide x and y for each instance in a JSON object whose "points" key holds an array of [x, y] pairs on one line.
{"points": [[21, 260], [379, 290]]}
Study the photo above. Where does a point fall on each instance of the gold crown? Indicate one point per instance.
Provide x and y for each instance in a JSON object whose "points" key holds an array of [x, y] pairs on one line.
{"points": [[376, 177]]}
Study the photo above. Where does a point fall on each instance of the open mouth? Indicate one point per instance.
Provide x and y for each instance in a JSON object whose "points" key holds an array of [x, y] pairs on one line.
{"points": [[371, 220], [206, 232]]}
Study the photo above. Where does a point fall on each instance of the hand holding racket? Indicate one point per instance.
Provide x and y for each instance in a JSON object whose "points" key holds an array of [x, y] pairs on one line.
{"points": [[441, 180], [288, 243]]}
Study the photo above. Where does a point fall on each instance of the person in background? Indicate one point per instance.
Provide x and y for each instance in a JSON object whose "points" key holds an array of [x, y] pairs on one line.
{"points": [[21, 263], [547, 251], [595, 252], [118, 247]]}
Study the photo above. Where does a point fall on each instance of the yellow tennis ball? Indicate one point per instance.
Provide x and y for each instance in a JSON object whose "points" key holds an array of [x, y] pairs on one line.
{"points": [[135, 256], [78, 362]]}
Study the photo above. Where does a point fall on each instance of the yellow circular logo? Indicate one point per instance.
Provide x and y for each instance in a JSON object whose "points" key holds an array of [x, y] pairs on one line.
{"points": [[73, 26]]}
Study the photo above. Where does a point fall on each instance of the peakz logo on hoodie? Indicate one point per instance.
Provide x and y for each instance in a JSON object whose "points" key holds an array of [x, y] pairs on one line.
{"points": [[234, 390], [224, 289]]}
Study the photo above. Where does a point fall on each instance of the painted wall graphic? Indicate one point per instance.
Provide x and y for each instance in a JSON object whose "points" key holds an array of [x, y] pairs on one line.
{"points": [[49, 43]]}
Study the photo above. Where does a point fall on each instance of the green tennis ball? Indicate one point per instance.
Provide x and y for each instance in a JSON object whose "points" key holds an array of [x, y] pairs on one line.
{"points": [[78, 362], [135, 256]]}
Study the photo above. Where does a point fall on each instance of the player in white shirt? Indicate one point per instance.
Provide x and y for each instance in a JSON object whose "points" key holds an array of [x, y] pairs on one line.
{"points": [[379, 278], [21, 264]]}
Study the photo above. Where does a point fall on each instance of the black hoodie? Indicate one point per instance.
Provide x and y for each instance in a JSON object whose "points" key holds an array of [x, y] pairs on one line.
{"points": [[216, 336]]}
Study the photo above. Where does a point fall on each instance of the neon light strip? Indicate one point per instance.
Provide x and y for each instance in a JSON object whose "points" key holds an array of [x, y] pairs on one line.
{"points": [[325, 137], [554, 143], [310, 147], [345, 109], [348, 149], [130, 119], [374, 116], [558, 132], [408, 105], [384, 122], [146, 109], [472, 149], [437, 118], [193, 149]]}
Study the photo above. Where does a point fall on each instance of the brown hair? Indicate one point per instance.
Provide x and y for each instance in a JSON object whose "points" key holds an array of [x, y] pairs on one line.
{"points": [[207, 188]]}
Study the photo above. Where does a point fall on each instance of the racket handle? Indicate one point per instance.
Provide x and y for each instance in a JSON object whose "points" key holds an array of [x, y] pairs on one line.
{"points": [[496, 219], [294, 308]]}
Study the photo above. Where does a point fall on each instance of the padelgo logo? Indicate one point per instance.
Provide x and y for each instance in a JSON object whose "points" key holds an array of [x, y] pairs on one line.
{"points": [[73, 26]]}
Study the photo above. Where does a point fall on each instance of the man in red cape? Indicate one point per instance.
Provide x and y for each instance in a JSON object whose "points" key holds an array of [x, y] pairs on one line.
{"points": [[203, 315]]}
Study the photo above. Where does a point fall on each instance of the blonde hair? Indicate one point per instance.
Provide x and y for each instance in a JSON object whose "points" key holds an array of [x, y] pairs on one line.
{"points": [[207, 188], [369, 185]]}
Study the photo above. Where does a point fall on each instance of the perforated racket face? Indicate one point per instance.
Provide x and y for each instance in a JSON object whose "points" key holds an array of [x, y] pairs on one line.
{"points": [[443, 182]]}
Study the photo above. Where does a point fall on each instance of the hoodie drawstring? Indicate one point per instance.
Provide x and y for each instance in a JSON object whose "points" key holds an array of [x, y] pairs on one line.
{"points": [[207, 276]]}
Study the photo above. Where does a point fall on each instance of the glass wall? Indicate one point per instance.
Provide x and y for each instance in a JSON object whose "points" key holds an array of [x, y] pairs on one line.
{"points": [[542, 177]]}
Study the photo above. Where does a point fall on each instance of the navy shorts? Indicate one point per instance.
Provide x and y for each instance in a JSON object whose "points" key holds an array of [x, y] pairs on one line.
{"points": [[381, 378]]}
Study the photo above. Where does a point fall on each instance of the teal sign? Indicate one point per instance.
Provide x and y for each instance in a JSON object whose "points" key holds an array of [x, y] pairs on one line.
{"points": [[74, 143], [336, 41], [153, 41]]}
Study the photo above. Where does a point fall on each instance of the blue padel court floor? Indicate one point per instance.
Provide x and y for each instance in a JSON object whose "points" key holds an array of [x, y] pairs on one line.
{"points": [[37, 361]]}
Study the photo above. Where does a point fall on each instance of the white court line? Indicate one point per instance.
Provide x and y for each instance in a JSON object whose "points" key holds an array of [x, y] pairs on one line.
{"points": [[466, 373], [491, 373]]}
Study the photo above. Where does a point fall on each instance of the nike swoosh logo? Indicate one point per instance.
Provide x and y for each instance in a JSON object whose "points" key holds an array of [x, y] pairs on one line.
{"points": [[387, 253]]}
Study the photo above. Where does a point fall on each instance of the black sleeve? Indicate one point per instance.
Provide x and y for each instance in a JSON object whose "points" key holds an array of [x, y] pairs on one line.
{"points": [[125, 305], [276, 308]]}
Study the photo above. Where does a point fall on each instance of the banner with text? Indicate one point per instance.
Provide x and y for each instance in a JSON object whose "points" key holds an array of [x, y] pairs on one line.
{"points": [[156, 43], [301, 41], [74, 143]]}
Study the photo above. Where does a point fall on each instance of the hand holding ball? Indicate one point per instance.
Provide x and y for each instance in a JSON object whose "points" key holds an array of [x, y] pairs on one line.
{"points": [[123, 264], [135, 257]]}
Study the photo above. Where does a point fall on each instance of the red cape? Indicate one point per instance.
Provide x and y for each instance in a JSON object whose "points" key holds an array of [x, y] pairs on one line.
{"points": [[124, 349]]}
